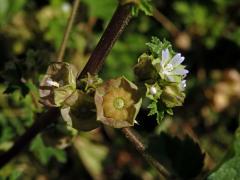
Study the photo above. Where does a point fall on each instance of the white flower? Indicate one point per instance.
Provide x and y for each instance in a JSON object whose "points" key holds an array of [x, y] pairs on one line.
{"points": [[170, 67]]}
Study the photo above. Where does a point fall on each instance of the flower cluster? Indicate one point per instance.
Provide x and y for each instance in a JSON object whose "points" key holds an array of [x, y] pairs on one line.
{"points": [[163, 74], [116, 102]]}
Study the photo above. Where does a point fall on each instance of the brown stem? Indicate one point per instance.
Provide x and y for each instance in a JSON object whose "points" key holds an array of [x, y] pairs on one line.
{"points": [[114, 29], [67, 31]]}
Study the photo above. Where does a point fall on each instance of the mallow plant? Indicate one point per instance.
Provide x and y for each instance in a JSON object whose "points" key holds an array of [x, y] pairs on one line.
{"points": [[87, 102]]}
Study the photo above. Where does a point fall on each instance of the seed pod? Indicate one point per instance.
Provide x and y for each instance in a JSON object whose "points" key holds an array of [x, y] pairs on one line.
{"points": [[58, 84], [117, 102]]}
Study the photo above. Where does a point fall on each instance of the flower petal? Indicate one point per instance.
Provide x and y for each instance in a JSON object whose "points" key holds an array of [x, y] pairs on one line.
{"points": [[182, 72], [165, 56], [177, 59], [171, 78]]}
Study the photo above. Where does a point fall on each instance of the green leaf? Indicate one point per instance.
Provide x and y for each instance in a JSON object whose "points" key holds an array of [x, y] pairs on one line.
{"points": [[229, 170], [141, 5], [230, 166], [155, 109], [15, 175], [146, 7], [156, 46], [44, 154]]}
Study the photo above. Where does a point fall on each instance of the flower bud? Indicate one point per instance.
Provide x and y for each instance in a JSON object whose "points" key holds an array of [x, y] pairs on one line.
{"points": [[153, 91], [172, 95], [144, 70]]}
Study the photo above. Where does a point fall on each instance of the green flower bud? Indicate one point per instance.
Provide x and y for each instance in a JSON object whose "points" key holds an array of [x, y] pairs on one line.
{"points": [[117, 102], [172, 95], [79, 111], [153, 91], [58, 84], [144, 70]]}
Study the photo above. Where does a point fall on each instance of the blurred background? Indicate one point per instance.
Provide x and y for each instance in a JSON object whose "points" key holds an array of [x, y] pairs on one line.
{"points": [[206, 32]]}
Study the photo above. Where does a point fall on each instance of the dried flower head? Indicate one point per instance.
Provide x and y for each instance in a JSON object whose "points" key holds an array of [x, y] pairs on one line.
{"points": [[58, 84], [117, 103]]}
